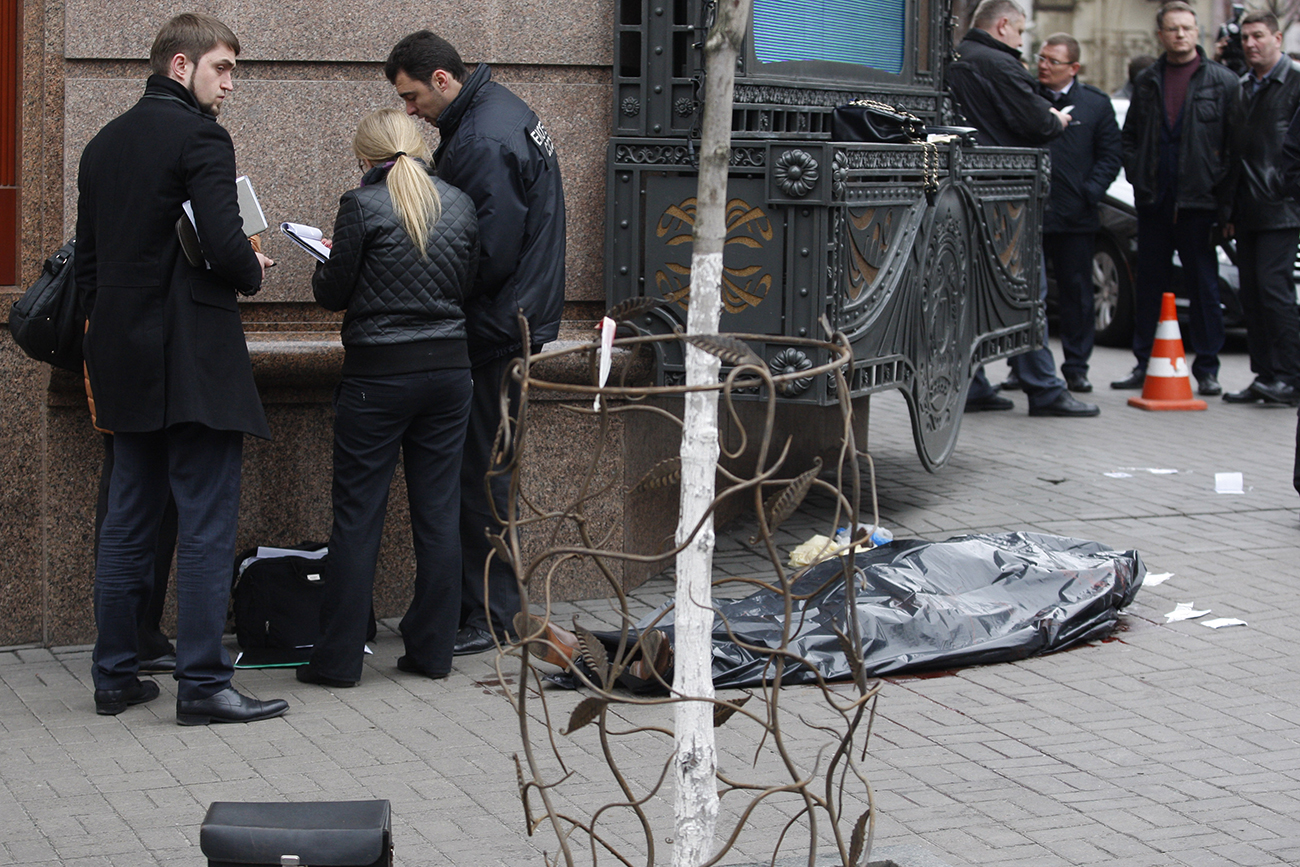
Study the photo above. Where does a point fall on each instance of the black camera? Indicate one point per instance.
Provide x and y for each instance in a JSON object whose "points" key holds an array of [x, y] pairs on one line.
{"points": [[1230, 52]]}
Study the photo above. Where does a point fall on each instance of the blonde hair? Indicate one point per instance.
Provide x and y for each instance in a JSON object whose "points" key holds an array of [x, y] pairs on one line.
{"points": [[380, 136]]}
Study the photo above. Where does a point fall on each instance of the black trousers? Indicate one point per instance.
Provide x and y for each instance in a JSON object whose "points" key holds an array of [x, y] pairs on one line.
{"points": [[1071, 256], [422, 417], [1160, 233], [1036, 369], [481, 501], [1265, 260], [201, 469], [151, 643]]}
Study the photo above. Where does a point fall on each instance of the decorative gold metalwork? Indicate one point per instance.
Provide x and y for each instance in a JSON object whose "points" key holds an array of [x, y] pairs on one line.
{"points": [[748, 227]]}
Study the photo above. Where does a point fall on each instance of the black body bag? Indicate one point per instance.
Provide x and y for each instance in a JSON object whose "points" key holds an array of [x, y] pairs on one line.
{"points": [[277, 599], [865, 120], [47, 321]]}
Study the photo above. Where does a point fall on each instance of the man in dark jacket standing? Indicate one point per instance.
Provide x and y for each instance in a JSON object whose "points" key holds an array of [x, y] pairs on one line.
{"points": [[1085, 160], [1265, 222], [1176, 156], [999, 97], [169, 367], [497, 150]]}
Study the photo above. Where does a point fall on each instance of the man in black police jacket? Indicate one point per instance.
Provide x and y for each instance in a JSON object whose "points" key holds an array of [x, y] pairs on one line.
{"points": [[168, 366], [1086, 157], [999, 97], [1265, 222], [497, 150]]}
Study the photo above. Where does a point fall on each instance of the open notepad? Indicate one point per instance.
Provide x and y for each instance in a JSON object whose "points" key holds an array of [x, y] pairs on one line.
{"points": [[307, 237]]}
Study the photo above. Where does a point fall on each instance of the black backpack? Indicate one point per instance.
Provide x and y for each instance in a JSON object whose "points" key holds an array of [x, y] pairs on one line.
{"points": [[47, 321], [277, 599]]}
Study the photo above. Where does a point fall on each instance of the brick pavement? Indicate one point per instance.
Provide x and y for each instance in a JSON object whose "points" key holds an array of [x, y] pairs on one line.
{"points": [[1171, 745]]}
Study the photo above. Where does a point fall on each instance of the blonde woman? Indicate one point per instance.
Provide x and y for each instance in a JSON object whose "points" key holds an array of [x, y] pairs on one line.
{"points": [[402, 260]]}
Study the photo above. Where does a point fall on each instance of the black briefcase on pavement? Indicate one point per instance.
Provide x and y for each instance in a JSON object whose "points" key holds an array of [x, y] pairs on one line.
{"points": [[310, 833]]}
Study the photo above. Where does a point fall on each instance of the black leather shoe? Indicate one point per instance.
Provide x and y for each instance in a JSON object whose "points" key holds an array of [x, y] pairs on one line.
{"points": [[1246, 395], [1066, 406], [1277, 392], [410, 666], [471, 639], [1208, 386], [1012, 383], [307, 674], [111, 702], [227, 706], [989, 403], [1078, 383], [1134, 380], [164, 664]]}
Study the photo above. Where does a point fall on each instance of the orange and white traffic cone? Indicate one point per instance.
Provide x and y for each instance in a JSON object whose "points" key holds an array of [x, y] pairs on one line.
{"points": [[1168, 384]]}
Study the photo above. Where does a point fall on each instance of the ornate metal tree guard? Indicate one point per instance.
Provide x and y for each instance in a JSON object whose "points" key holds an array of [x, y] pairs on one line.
{"points": [[590, 818]]}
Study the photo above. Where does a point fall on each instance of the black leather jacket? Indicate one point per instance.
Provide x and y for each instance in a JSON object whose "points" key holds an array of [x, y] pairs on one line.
{"points": [[1261, 202], [998, 96], [496, 150], [1204, 155], [404, 313]]}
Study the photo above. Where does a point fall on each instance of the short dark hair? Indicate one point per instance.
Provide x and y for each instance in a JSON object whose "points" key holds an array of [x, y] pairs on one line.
{"points": [[1268, 19], [989, 12], [1172, 6], [1071, 45], [1137, 64], [420, 55], [192, 34]]}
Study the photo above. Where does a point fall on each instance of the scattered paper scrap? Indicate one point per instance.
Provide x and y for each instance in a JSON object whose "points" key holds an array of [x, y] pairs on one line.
{"points": [[1184, 611], [1220, 622], [1158, 471], [1228, 483], [1119, 475], [1154, 579]]}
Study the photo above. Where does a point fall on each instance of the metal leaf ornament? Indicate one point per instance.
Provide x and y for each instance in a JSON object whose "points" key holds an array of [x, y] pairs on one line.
{"points": [[586, 711], [782, 505], [666, 472], [593, 655], [722, 712], [729, 349], [631, 308]]}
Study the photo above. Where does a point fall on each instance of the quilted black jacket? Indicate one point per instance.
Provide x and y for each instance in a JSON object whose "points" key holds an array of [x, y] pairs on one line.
{"points": [[404, 313], [496, 150]]}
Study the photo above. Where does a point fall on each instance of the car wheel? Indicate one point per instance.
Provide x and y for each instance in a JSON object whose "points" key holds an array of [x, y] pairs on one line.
{"points": [[1112, 295]]}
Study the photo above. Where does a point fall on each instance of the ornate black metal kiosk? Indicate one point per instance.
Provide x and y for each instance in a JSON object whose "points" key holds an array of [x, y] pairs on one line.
{"points": [[924, 255]]}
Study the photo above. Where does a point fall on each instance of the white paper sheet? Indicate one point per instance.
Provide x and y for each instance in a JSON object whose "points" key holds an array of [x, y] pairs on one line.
{"points": [[1184, 611]]}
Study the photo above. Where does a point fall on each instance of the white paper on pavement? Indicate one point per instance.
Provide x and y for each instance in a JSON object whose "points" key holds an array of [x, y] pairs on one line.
{"points": [[1220, 622], [1184, 611], [1155, 579], [1228, 483]]}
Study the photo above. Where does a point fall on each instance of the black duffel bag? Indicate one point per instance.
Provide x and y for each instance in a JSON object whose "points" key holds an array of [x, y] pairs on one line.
{"points": [[277, 599]]}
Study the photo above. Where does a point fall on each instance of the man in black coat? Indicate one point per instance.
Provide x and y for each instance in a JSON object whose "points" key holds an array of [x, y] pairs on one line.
{"points": [[1265, 222], [999, 97], [1177, 157], [497, 150], [168, 366], [1086, 157]]}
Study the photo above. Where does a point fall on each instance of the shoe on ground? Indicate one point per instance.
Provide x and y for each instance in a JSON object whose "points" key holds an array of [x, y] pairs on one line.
{"points": [[989, 403], [553, 645], [1012, 383], [111, 702], [1135, 380], [1246, 395], [164, 664], [1277, 392], [307, 674], [410, 666], [1066, 406], [1077, 383], [1208, 386], [471, 639], [227, 706]]}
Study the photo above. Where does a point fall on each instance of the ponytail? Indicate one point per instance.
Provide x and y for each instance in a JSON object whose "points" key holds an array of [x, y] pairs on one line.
{"points": [[389, 134]]}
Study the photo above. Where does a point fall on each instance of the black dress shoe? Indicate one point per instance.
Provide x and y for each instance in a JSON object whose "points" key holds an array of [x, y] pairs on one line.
{"points": [[1208, 386], [227, 706], [1246, 395], [471, 639], [307, 674], [1067, 407], [1135, 380], [1012, 383], [111, 702], [1277, 392], [410, 666], [164, 664], [989, 403], [1078, 383]]}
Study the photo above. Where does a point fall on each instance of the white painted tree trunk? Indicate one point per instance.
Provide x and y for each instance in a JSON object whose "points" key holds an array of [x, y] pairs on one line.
{"points": [[695, 767]]}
